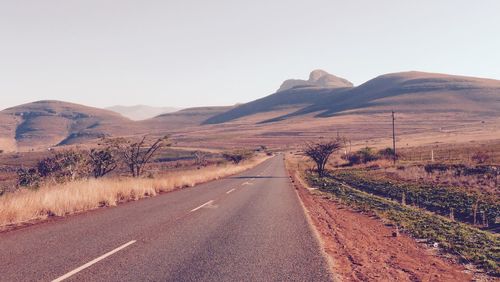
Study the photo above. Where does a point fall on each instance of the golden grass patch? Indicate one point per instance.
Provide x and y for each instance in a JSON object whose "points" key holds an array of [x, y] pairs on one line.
{"points": [[64, 199]]}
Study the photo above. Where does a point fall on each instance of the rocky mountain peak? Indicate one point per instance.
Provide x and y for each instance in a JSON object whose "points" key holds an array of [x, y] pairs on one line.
{"points": [[318, 78]]}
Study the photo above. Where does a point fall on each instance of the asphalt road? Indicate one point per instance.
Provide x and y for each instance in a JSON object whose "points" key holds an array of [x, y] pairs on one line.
{"points": [[249, 227]]}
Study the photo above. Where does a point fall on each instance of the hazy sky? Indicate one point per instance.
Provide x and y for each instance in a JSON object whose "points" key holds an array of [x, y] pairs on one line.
{"points": [[193, 53]]}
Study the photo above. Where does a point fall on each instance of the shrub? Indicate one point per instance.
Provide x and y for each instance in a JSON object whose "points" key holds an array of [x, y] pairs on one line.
{"points": [[430, 168], [387, 153], [364, 155], [352, 158], [480, 157], [64, 166], [28, 178], [61, 167], [367, 155], [237, 156]]}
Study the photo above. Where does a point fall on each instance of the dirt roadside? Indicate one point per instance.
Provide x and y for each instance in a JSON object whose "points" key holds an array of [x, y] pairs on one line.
{"points": [[362, 248]]}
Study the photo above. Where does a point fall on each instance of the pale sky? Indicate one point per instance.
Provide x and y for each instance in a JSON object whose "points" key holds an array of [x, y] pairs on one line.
{"points": [[221, 52]]}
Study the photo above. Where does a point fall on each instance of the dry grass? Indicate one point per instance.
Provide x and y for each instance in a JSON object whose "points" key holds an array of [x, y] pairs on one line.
{"points": [[60, 200]]}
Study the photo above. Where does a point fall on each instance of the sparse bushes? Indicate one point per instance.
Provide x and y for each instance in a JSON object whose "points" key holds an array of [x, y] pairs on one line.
{"points": [[74, 165], [59, 168], [387, 153], [367, 154], [28, 177], [320, 152], [82, 195], [431, 168], [64, 166], [362, 156], [237, 156], [480, 157]]}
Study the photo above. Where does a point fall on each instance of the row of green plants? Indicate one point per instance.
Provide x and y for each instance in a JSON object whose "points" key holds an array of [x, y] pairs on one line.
{"points": [[455, 202], [470, 244]]}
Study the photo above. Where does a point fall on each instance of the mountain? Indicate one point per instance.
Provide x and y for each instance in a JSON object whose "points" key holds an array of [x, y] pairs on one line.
{"points": [[51, 123], [141, 112], [417, 92], [293, 94], [184, 118], [318, 78], [438, 105]]}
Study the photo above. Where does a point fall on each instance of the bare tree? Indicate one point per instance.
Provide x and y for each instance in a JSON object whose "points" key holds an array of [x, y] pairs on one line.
{"points": [[320, 152], [136, 155], [200, 158]]}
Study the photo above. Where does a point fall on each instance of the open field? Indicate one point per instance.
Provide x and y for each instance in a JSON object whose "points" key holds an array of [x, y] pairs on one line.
{"points": [[459, 213], [361, 246]]}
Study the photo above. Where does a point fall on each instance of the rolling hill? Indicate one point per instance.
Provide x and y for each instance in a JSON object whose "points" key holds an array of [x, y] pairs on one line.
{"points": [[51, 123], [429, 106], [184, 118], [406, 92]]}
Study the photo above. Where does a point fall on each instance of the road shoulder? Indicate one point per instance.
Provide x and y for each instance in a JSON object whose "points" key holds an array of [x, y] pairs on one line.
{"points": [[361, 246]]}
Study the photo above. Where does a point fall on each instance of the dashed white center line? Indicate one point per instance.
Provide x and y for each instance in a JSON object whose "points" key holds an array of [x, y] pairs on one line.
{"points": [[232, 190], [205, 204], [73, 272]]}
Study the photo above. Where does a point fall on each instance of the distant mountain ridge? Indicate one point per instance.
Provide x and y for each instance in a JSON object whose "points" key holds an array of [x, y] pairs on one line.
{"points": [[422, 95], [141, 112], [406, 91]]}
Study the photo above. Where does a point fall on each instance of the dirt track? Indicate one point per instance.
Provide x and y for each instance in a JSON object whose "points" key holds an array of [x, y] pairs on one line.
{"points": [[362, 247]]}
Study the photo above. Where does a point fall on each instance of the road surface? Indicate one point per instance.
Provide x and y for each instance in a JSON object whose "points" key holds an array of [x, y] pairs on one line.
{"points": [[249, 227]]}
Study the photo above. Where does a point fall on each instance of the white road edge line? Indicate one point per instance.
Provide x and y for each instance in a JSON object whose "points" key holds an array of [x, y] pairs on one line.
{"points": [[232, 190], [73, 272], [205, 204]]}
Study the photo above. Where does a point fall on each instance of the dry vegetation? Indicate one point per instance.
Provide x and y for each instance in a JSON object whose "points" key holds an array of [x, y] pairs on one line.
{"points": [[73, 197], [452, 203]]}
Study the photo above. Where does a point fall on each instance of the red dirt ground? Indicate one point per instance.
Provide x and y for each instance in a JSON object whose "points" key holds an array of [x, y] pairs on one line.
{"points": [[362, 248]]}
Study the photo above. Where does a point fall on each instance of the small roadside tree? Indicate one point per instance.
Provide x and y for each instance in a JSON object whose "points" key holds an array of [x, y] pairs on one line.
{"points": [[64, 166], [136, 155], [237, 156], [200, 158], [320, 152], [102, 161]]}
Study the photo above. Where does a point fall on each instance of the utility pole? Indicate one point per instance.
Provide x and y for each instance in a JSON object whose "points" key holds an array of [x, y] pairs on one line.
{"points": [[393, 139]]}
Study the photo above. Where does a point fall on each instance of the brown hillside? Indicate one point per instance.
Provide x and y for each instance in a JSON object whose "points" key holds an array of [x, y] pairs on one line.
{"points": [[409, 92], [184, 118], [51, 123]]}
